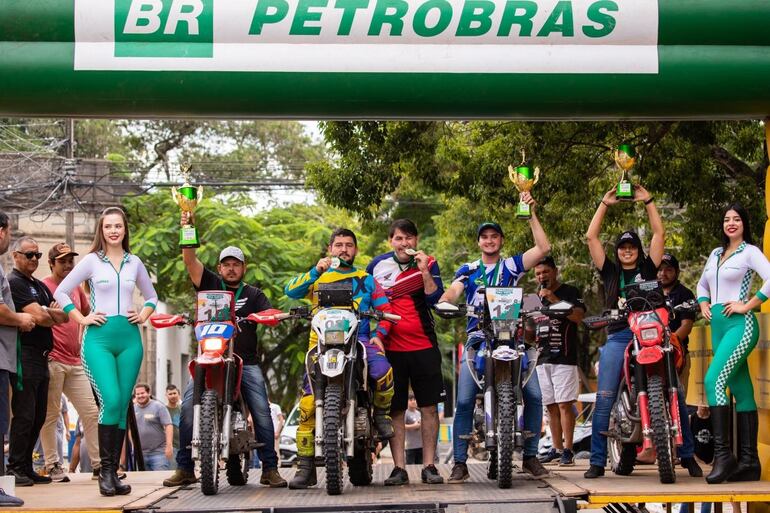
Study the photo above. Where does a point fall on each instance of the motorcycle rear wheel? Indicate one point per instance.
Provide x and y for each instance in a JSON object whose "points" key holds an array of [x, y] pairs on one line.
{"points": [[238, 469], [209, 448]]}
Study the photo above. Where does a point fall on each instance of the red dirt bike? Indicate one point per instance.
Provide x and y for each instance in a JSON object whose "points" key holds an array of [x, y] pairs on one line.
{"points": [[220, 429], [646, 410]]}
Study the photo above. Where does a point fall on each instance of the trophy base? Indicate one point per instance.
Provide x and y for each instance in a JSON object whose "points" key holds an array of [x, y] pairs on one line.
{"points": [[523, 211], [624, 192], [188, 237], [624, 198]]}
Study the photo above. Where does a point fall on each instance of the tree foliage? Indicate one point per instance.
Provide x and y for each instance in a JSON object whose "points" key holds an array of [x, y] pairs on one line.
{"points": [[278, 244]]}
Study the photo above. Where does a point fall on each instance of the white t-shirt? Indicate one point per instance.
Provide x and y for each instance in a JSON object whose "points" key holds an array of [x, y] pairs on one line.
{"points": [[276, 413]]}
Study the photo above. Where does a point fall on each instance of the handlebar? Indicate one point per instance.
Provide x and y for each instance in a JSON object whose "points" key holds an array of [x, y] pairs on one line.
{"points": [[596, 322]]}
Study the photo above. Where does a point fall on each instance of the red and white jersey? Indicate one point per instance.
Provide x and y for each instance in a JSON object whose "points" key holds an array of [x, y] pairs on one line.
{"points": [[403, 284]]}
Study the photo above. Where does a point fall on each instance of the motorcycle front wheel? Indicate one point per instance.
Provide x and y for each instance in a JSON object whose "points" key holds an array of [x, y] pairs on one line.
{"points": [[209, 448], [506, 417], [333, 448], [661, 433]]}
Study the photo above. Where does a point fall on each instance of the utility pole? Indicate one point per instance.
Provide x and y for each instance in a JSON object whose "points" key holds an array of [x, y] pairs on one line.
{"points": [[69, 215]]}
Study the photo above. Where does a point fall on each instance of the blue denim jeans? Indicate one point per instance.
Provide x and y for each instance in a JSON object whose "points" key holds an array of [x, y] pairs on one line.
{"points": [[156, 461], [610, 372], [255, 394], [466, 400]]}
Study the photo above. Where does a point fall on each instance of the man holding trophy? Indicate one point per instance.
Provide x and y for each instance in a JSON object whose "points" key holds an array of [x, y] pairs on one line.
{"points": [[248, 299]]}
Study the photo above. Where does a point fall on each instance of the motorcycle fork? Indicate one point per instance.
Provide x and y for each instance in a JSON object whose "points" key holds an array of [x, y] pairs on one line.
{"points": [[350, 418], [319, 389], [640, 376], [199, 386], [489, 401], [519, 435], [673, 396], [231, 371]]}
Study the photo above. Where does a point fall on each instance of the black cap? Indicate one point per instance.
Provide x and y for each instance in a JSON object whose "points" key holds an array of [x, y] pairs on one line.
{"points": [[671, 260], [494, 226], [629, 236]]}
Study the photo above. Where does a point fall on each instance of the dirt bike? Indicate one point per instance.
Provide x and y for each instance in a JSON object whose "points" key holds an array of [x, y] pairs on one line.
{"points": [[220, 427], [338, 375], [498, 367], [646, 410]]}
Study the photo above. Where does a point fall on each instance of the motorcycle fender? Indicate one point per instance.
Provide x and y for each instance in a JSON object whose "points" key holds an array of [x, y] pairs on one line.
{"points": [[209, 359], [649, 355], [332, 363], [505, 354]]}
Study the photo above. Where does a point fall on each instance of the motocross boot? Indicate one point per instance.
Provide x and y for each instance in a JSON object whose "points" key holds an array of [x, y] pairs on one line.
{"points": [[383, 423], [724, 461], [749, 468], [305, 475]]}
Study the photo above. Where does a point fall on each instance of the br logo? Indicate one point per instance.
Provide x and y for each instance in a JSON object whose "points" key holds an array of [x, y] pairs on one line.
{"points": [[164, 28]]}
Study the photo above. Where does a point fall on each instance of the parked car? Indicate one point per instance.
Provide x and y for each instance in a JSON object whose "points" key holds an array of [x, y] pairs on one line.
{"points": [[287, 443]]}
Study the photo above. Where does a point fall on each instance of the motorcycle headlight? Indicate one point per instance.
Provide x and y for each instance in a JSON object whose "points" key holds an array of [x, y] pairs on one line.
{"points": [[649, 334], [212, 344], [335, 337]]}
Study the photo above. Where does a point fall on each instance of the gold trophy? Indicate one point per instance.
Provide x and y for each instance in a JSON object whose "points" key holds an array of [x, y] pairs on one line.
{"points": [[187, 197], [625, 159], [522, 177]]}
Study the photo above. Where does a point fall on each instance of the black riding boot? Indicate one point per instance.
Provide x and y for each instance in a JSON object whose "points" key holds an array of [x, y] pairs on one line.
{"points": [[749, 468], [724, 461], [305, 475], [106, 444], [117, 448]]}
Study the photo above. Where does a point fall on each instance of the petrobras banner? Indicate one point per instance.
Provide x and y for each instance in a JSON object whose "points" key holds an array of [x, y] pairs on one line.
{"points": [[368, 36]]}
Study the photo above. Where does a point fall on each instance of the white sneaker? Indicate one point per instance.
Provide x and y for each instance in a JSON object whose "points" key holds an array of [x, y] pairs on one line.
{"points": [[58, 474]]}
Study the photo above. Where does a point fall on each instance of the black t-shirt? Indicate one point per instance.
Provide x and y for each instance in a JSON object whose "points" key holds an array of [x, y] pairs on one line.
{"points": [[252, 300], [35, 344], [610, 275], [558, 338], [704, 437], [678, 295]]}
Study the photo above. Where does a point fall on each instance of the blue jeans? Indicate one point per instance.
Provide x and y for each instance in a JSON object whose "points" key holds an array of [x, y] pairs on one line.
{"points": [[610, 373], [156, 461], [255, 394], [466, 400]]}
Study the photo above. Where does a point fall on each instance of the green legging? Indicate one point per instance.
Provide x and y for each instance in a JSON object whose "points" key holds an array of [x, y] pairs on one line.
{"points": [[112, 355], [732, 340]]}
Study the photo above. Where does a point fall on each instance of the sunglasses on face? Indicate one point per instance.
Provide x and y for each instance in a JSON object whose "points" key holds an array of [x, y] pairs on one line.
{"points": [[30, 254]]}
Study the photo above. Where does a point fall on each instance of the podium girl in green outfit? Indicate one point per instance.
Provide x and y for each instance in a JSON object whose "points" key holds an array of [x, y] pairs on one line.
{"points": [[723, 294], [112, 346]]}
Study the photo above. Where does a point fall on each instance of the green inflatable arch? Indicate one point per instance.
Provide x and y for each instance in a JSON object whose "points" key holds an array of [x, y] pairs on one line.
{"points": [[517, 59]]}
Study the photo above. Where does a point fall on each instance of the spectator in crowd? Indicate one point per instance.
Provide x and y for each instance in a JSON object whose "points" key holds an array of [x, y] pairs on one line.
{"points": [[156, 431], [30, 398], [412, 426], [11, 324], [66, 372], [174, 406], [79, 455], [278, 422]]}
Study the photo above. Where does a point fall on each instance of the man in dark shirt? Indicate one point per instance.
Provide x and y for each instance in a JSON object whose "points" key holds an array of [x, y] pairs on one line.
{"points": [[30, 397], [681, 323], [557, 368], [248, 299]]}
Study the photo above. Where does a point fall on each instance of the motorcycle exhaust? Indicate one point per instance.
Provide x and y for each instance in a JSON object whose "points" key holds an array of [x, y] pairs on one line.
{"points": [[350, 427]]}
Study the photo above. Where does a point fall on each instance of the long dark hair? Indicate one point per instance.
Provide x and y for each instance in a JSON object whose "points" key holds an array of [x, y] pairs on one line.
{"points": [[99, 243], [738, 208]]}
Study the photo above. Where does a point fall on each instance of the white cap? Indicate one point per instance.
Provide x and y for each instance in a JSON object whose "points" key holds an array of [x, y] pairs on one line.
{"points": [[232, 252]]}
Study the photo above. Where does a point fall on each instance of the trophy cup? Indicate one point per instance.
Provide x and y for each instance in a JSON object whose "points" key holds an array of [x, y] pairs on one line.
{"points": [[187, 197], [625, 159], [522, 177]]}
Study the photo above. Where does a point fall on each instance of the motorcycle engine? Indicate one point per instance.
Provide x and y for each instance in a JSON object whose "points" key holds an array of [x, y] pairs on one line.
{"points": [[362, 427], [241, 440]]}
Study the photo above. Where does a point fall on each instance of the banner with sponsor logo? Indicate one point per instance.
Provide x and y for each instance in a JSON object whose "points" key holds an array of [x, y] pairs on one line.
{"points": [[364, 36]]}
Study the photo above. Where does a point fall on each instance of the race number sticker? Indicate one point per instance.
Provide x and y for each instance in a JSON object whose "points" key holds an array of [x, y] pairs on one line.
{"points": [[504, 302]]}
